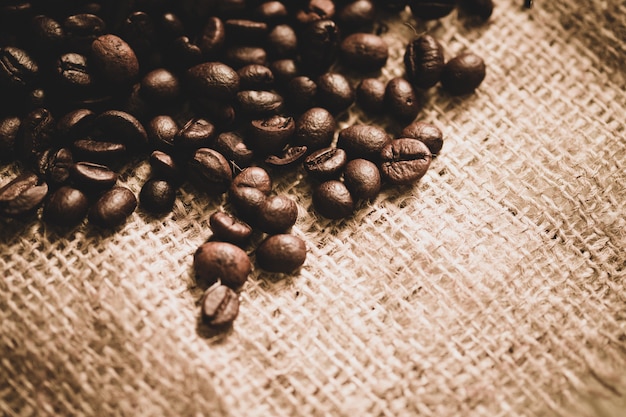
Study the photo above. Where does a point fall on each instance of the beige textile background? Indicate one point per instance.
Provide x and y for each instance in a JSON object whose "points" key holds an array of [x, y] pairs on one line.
{"points": [[493, 287]]}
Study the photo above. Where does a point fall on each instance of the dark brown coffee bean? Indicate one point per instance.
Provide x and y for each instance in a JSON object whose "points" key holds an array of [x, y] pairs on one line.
{"points": [[81, 30], [220, 306], [255, 77], [18, 70], [334, 92], [271, 134], [220, 113], [46, 35], [161, 131], [362, 179], [245, 29], [248, 191], [282, 253], [196, 133], [228, 228], [289, 157], [356, 15], [75, 124], [240, 56], [404, 161], [301, 93], [282, 42], [157, 196], [73, 73], [313, 10], [91, 150], [429, 134], [165, 167], [254, 177], [9, 126], [92, 177], [364, 52], [114, 59], [326, 163], [212, 37], [332, 200], [255, 103], [35, 134], [401, 100], [209, 171], [214, 80], [481, 9], [363, 141], [463, 74], [284, 70], [140, 32], [424, 61], [22, 195], [221, 261], [319, 45], [234, 149], [123, 127], [315, 128], [370, 95], [431, 9], [66, 207], [160, 87], [272, 12], [277, 214], [113, 208], [58, 166], [183, 53]]}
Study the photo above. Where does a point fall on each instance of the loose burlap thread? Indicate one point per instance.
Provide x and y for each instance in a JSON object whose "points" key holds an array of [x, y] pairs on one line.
{"points": [[493, 287]]}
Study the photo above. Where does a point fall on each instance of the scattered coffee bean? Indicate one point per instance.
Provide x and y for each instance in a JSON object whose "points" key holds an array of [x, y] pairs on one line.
{"points": [[228, 228], [160, 86], [66, 207], [18, 70], [271, 134], [213, 79], [196, 133], [113, 208], [255, 77], [332, 200], [258, 103], [404, 161], [326, 163], [58, 165], [209, 171], [319, 45], [161, 132], [401, 100], [282, 42], [301, 93], [370, 95], [157, 196], [463, 74], [248, 191], [241, 56], [22, 196], [315, 128], [114, 59], [123, 127], [98, 151], [81, 30], [277, 214], [165, 166], [363, 141], [424, 61], [281, 253], [289, 157], [234, 149], [429, 134], [356, 15], [219, 306], [221, 261], [9, 126], [212, 37], [92, 177], [334, 92], [75, 124], [364, 52], [362, 179]]}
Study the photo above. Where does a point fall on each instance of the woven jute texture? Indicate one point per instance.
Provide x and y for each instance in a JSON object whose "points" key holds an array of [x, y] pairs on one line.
{"points": [[493, 287]]}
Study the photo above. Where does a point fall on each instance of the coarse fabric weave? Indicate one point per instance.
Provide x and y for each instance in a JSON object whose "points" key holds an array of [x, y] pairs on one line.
{"points": [[493, 287]]}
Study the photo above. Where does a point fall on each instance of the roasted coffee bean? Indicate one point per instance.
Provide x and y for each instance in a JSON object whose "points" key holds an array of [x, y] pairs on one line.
{"points": [[248, 190], [284, 70], [463, 74], [196, 133], [232, 146], [165, 167], [22, 195], [255, 77], [58, 166], [370, 95], [214, 80], [35, 134], [212, 37], [160, 87], [332, 200], [123, 127], [401, 100], [219, 306], [334, 92], [356, 15], [228, 228], [255, 103], [46, 35], [429, 134], [9, 126], [282, 253], [91, 150], [288, 157], [481, 9], [315, 128], [240, 56], [209, 171], [66, 207], [424, 61], [431, 9], [113, 208], [240, 29], [362, 179], [139, 30], [221, 113], [253, 177], [75, 124], [319, 45], [363, 141], [170, 26], [114, 59], [270, 134], [157, 196], [282, 42], [364, 52], [221, 261], [301, 93], [404, 161], [183, 53], [81, 30], [271, 12], [313, 10], [90, 177], [277, 214], [326, 163], [161, 132], [18, 70]]}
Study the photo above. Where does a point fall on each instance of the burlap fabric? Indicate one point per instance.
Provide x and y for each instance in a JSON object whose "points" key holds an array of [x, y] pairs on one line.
{"points": [[493, 287]]}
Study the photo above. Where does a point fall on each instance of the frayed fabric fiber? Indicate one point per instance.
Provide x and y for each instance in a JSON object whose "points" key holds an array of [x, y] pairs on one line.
{"points": [[495, 286]]}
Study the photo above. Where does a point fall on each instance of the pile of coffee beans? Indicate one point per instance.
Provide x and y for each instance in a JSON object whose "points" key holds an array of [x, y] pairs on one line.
{"points": [[222, 94]]}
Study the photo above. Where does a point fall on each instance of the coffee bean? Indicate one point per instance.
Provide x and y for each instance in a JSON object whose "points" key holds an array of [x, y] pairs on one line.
{"points": [[212, 37], [282, 253], [370, 95], [248, 190], [91, 150], [364, 52], [431, 9], [240, 29], [221, 261], [161, 132], [18, 70], [66, 207], [73, 73], [213, 79], [363, 141], [255, 77], [165, 167], [35, 134], [326, 163], [271, 12], [240, 56], [315, 128], [22, 195], [160, 87], [92, 177], [81, 30], [332, 200], [424, 61], [183, 53], [463, 74], [277, 214], [288, 157], [429, 134], [481, 9], [219, 306], [356, 15], [157, 196], [319, 45], [9, 126], [232, 146], [282, 42], [270, 134], [301, 93], [123, 127], [196, 133], [114, 59], [401, 100], [46, 35], [209, 171], [75, 124], [404, 161], [255, 103], [140, 32], [58, 165], [284, 70], [220, 113], [362, 179], [314, 10], [113, 208], [228, 228], [334, 92], [254, 177]]}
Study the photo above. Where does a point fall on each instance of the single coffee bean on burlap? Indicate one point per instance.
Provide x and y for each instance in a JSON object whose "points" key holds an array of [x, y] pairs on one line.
{"points": [[315, 128], [364, 52], [430, 134], [424, 61], [333, 200], [334, 92], [22, 196], [362, 179], [288, 157], [228, 228], [404, 161], [363, 141], [431, 9], [277, 214], [221, 261], [113, 208], [283, 253], [401, 100], [114, 60], [326, 163], [270, 134], [164, 166], [463, 74], [161, 131], [209, 171], [255, 77], [66, 207], [157, 196], [219, 306], [234, 149], [92, 177], [214, 80], [370, 95]]}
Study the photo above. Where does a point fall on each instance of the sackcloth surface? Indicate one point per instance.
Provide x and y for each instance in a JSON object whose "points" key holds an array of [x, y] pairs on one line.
{"points": [[493, 287]]}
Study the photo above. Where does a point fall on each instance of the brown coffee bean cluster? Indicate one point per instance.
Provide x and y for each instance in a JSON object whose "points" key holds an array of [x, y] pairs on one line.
{"points": [[223, 96]]}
